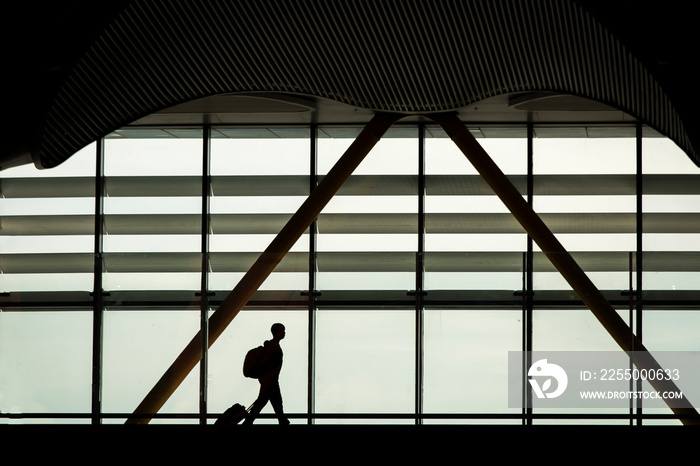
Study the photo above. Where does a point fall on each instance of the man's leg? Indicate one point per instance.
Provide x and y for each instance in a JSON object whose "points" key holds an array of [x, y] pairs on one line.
{"points": [[258, 405], [275, 397]]}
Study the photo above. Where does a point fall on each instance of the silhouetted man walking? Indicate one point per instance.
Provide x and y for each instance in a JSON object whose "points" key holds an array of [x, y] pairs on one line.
{"points": [[269, 380]]}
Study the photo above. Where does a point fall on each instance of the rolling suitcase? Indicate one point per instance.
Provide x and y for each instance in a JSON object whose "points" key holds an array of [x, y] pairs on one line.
{"points": [[232, 416]]}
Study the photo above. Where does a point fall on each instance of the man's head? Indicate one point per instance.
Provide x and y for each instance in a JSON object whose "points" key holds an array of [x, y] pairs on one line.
{"points": [[277, 331]]}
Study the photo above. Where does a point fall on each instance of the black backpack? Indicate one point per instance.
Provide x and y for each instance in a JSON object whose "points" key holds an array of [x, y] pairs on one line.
{"points": [[253, 363]]}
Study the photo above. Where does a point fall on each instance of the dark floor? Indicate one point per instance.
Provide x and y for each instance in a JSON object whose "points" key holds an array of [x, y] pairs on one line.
{"points": [[373, 444]]}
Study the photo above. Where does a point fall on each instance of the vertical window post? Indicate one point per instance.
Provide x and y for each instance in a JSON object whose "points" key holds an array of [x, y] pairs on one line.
{"points": [[528, 279], [639, 252], [419, 274], [204, 288], [97, 295], [311, 362]]}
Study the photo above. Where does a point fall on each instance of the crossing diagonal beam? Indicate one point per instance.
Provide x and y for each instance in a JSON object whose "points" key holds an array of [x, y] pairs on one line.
{"points": [[264, 266], [559, 257]]}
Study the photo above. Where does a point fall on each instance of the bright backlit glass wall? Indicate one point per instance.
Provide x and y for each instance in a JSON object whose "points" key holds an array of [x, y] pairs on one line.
{"points": [[151, 244], [401, 300], [46, 248], [259, 178], [671, 245], [367, 238], [474, 253], [584, 187]]}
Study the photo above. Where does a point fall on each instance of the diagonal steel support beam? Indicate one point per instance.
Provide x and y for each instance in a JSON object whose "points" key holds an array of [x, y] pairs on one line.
{"points": [[559, 257], [264, 265]]}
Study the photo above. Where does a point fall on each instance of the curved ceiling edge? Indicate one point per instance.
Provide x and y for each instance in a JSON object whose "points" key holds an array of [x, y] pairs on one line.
{"points": [[414, 56]]}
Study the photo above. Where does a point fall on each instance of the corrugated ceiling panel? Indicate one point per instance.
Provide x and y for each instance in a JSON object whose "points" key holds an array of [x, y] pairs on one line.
{"points": [[412, 56]]}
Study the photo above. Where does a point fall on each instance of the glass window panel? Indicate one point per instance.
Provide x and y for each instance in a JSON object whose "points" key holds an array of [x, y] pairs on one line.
{"points": [[153, 211], [558, 154], [49, 282], [47, 206], [670, 281], [395, 154], [276, 155], [256, 204], [573, 330], [671, 245], [672, 330], [46, 238], [585, 192], [150, 281], [507, 152], [153, 205], [365, 363], [80, 164], [367, 234], [46, 364], [681, 203], [662, 156], [466, 361], [138, 347], [671, 240], [472, 241], [260, 178], [153, 156]]}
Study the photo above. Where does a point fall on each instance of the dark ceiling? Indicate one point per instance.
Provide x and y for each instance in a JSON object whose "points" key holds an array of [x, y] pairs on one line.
{"points": [[47, 38]]}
